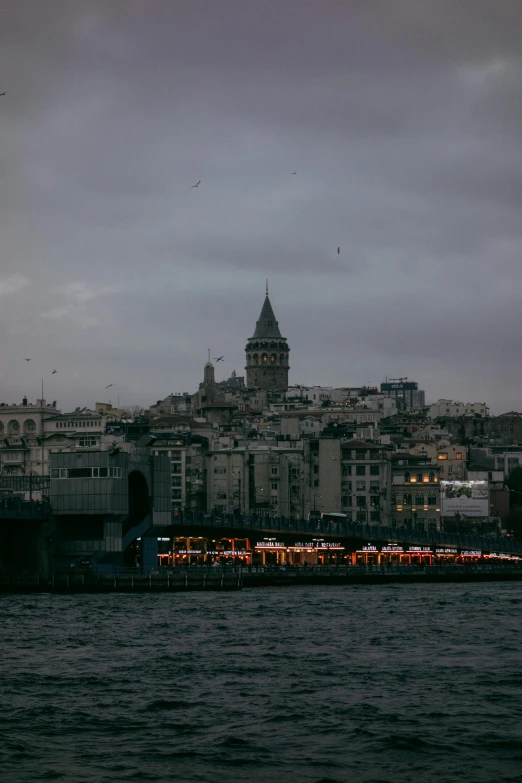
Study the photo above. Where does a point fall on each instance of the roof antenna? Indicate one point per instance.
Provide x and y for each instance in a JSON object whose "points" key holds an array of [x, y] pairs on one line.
{"points": [[209, 355], [267, 287]]}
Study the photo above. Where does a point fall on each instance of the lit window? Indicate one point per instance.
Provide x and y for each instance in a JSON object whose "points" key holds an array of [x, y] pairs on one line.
{"points": [[425, 479], [458, 455], [442, 456]]}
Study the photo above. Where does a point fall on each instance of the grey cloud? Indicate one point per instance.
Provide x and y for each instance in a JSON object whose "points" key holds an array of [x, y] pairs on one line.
{"points": [[403, 121]]}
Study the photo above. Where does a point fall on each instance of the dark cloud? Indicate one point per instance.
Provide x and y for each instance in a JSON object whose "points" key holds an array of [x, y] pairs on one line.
{"points": [[403, 121]]}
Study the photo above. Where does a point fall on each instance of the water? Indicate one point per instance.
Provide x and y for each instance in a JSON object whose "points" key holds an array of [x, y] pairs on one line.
{"points": [[332, 684]]}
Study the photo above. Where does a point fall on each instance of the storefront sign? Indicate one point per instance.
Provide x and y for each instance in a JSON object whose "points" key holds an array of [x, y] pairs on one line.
{"points": [[270, 545], [472, 553], [189, 552], [369, 548], [392, 549], [445, 551], [420, 549]]}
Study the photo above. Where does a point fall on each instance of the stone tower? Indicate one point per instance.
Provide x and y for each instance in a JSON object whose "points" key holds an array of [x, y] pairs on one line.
{"points": [[267, 354]]}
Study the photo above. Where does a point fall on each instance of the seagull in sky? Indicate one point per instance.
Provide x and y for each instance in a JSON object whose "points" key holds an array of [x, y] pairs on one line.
{"points": [[109, 386], [197, 183], [219, 359], [54, 372], [27, 360], [293, 172], [2, 93]]}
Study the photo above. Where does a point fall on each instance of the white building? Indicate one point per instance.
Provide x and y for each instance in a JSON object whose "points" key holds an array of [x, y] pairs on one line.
{"points": [[443, 408]]}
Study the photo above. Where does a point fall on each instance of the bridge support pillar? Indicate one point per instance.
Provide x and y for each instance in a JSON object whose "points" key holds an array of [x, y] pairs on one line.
{"points": [[149, 553]]}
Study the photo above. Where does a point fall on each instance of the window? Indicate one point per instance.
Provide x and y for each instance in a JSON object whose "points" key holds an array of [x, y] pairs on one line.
{"points": [[375, 516], [458, 455], [374, 470], [176, 468], [406, 477], [406, 500], [14, 426], [360, 486], [116, 472], [361, 501], [432, 500], [13, 456], [87, 442], [80, 473], [176, 494], [346, 470], [432, 476], [360, 470], [216, 470], [316, 469], [361, 516], [221, 495], [316, 482], [59, 473], [442, 456], [347, 486], [100, 472], [360, 455], [176, 455], [374, 486], [30, 426], [419, 500], [176, 481]]}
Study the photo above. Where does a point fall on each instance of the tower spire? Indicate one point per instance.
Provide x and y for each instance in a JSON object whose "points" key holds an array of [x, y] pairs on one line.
{"points": [[267, 286]]}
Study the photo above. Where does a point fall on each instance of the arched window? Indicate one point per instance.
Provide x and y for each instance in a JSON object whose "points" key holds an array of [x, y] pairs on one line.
{"points": [[249, 359], [1, 426], [264, 358], [281, 358], [406, 476], [273, 358], [256, 358], [30, 426], [14, 426], [432, 476]]}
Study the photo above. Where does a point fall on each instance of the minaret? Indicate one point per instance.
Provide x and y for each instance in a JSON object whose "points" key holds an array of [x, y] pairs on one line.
{"points": [[267, 353]]}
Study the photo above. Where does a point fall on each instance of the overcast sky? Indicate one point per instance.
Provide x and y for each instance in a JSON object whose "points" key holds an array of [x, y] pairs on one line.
{"points": [[403, 120]]}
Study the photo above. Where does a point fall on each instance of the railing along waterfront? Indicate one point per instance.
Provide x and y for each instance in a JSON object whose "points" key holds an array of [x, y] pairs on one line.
{"points": [[179, 578], [348, 529]]}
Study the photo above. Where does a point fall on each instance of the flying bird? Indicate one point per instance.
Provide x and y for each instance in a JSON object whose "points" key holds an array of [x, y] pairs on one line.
{"points": [[2, 93], [197, 183], [27, 360], [219, 359], [109, 386], [293, 172], [54, 371], [338, 251]]}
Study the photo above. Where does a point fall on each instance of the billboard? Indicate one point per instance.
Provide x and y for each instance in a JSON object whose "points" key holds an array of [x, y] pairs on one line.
{"points": [[467, 498]]}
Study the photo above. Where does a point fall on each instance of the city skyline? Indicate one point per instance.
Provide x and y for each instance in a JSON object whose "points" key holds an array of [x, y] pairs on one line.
{"points": [[402, 126]]}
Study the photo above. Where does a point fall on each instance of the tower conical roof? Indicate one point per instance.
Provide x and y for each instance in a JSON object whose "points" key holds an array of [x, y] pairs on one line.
{"points": [[267, 325]]}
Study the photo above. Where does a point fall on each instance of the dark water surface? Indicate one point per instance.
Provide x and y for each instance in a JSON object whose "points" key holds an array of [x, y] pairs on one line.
{"points": [[392, 683]]}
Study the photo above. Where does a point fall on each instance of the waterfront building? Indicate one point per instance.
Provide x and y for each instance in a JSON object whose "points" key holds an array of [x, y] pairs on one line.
{"points": [[267, 354], [262, 479], [349, 477], [415, 500]]}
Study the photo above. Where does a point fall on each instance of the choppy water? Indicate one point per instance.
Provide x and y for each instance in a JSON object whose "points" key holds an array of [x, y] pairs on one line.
{"points": [[374, 684]]}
